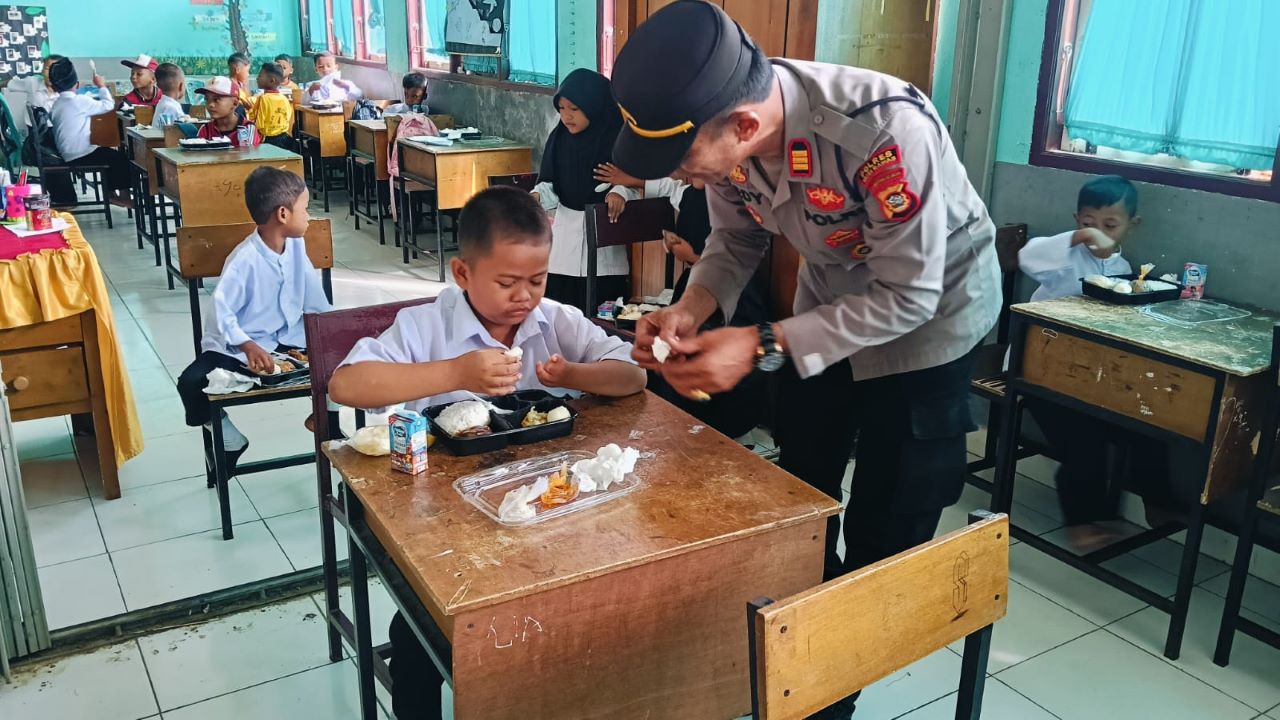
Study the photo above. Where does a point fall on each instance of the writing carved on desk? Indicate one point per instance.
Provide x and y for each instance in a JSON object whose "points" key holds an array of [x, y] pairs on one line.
{"points": [[515, 630], [960, 592], [228, 188]]}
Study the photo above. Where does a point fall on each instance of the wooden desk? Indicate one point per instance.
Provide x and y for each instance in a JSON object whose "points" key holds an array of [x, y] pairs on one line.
{"points": [[209, 186], [369, 140], [325, 126], [141, 141], [647, 590], [1198, 385]]}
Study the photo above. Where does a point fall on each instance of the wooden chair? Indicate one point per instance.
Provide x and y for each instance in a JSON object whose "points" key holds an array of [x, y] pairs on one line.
{"points": [[815, 648], [444, 122], [524, 181], [202, 251], [412, 196], [47, 166], [642, 221], [144, 114], [1262, 503]]}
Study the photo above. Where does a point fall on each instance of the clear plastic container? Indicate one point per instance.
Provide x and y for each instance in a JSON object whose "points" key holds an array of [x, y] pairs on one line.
{"points": [[487, 488]]}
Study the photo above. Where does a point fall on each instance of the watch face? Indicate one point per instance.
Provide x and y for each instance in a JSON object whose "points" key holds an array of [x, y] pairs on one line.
{"points": [[770, 363]]}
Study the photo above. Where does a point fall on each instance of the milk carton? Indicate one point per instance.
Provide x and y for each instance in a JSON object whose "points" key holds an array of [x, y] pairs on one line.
{"points": [[408, 432], [1193, 279]]}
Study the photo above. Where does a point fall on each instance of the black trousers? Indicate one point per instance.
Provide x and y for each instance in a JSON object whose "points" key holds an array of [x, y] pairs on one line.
{"points": [[416, 684], [193, 381], [911, 458], [117, 166], [572, 290], [282, 141], [733, 413]]}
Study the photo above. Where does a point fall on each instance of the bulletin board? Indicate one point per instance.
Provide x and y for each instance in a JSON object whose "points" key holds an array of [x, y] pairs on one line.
{"points": [[475, 27], [24, 41]]}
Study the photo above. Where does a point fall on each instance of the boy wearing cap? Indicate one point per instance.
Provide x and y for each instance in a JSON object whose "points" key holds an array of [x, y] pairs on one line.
{"points": [[71, 115], [900, 281], [142, 74], [224, 121]]}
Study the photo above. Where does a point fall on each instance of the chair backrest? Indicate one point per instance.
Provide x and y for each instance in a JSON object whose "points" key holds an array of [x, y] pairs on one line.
{"points": [[41, 126], [524, 181], [444, 122], [144, 114], [199, 110], [823, 644], [642, 221], [1010, 239]]}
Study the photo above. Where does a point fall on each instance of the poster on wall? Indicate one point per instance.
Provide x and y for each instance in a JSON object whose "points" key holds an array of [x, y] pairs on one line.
{"points": [[475, 27], [24, 41]]}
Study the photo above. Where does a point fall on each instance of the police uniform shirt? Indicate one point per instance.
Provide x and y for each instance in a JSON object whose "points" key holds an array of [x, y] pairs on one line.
{"points": [[900, 270]]}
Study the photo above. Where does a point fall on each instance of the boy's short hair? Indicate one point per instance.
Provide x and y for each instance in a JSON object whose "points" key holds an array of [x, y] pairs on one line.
{"points": [[62, 75], [324, 54], [284, 56], [169, 77], [413, 80], [268, 189], [502, 210], [1107, 190], [237, 59], [273, 70]]}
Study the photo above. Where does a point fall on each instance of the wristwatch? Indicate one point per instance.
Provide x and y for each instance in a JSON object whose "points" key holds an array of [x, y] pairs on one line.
{"points": [[769, 355]]}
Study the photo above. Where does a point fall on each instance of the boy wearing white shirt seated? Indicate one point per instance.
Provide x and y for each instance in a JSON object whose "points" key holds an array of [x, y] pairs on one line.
{"points": [[331, 86], [70, 117], [267, 283], [173, 86]]}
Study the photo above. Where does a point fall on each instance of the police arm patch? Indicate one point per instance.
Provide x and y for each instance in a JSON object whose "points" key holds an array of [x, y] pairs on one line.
{"points": [[886, 178]]}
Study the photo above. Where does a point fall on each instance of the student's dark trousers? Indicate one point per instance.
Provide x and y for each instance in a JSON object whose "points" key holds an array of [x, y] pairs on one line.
{"points": [[415, 682], [193, 381], [117, 166], [282, 141]]}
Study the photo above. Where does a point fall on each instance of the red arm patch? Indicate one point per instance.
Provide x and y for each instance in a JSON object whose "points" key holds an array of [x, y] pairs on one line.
{"points": [[886, 178]]}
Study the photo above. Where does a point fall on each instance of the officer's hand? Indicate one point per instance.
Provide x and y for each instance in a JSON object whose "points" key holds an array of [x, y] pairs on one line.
{"points": [[679, 247], [713, 362], [614, 175], [616, 204], [671, 323]]}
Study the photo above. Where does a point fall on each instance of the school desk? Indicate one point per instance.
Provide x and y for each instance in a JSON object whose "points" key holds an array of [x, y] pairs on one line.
{"points": [[140, 141], [630, 609], [58, 348], [208, 186], [1190, 379], [369, 141], [455, 172], [324, 139], [106, 129], [367, 172]]}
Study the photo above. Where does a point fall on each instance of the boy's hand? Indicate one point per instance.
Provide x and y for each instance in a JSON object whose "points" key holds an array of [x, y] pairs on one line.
{"points": [[554, 372], [614, 175], [313, 87], [99, 81], [616, 204], [1097, 241], [487, 372], [258, 360]]}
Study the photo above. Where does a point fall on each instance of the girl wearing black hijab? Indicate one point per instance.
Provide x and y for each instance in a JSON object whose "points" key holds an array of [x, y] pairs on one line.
{"points": [[589, 123]]}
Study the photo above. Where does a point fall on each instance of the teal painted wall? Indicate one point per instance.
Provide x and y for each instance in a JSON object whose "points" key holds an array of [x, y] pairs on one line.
{"points": [[944, 55], [1021, 75]]}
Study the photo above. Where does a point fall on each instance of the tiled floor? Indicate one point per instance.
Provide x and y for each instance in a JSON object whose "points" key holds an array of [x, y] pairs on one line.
{"points": [[1071, 647]]}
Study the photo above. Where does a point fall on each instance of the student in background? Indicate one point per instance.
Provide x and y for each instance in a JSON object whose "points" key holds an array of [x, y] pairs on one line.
{"points": [[272, 112], [331, 86], [224, 120], [459, 342], [415, 95], [71, 114], [238, 71], [142, 75], [173, 87], [285, 61], [267, 284], [589, 123], [1106, 216], [40, 92]]}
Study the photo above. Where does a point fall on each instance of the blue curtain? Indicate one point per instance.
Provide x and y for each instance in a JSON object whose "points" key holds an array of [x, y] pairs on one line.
{"points": [[317, 26], [1190, 78], [344, 32], [531, 41], [434, 11]]}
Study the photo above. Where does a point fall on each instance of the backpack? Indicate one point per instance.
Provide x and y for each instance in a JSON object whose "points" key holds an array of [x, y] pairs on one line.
{"points": [[411, 125], [366, 110]]}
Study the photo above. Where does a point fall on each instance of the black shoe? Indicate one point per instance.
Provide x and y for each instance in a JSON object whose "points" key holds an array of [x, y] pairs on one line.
{"points": [[231, 457], [841, 710]]}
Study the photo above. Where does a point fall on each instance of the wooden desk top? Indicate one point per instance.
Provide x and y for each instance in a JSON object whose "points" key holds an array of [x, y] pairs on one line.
{"points": [[484, 144], [262, 153], [699, 489], [148, 132], [317, 111], [375, 126], [1238, 347]]}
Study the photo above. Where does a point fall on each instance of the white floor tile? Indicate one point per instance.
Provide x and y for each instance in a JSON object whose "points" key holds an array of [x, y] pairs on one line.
{"points": [[162, 416], [106, 684], [153, 383], [283, 491], [198, 662], [80, 591], [51, 480], [269, 437], [918, 684], [1102, 677], [1092, 599], [1254, 674], [163, 459], [1260, 597], [299, 535], [325, 693], [1167, 555], [1033, 625], [66, 531], [999, 702], [188, 566], [42, 438], [167, 510], [1144, 573]]}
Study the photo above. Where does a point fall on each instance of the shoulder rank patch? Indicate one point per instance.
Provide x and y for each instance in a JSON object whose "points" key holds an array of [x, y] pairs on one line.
{"points": [[840, 238], [886, 158], [800, 158], [824, 198], [755, 215], [897, 201], [738, 176]]}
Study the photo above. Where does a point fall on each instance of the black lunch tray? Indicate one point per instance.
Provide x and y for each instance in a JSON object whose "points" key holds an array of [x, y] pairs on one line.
{"points": [[285, 378], [506, 428], [1146, 298]]}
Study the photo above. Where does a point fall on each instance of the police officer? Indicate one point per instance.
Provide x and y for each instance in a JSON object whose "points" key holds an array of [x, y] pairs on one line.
{"points": [[900, 280]]}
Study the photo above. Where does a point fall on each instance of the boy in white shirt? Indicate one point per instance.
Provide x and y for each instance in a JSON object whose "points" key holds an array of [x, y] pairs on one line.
{"points": [[173, 88], [331, 86], [71, 115], [415, 95], [267, 283], [459, 342]]}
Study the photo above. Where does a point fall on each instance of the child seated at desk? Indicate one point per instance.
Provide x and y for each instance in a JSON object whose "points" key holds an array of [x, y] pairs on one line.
{"points": [[266, 285], [238, 71], [1106, 215], [415, 95], [142, 75], [458, 343], [71, 116], [272, 113], [224, 122], [331, 86], [285, 61], [173, 86]]}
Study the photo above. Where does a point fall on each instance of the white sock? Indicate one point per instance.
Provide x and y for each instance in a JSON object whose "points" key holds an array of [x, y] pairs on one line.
{"points": [[232, 438]]}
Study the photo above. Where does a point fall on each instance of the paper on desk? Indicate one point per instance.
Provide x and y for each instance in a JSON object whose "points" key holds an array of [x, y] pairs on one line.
{"points": [[222, 382], [20, 228]]}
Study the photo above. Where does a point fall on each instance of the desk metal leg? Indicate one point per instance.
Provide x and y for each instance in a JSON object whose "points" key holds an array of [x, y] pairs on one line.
{"points": [[973, 674], [351, 191], [364, 644], [406, 219], [1186, 580], [439, 244], [328, 547]]}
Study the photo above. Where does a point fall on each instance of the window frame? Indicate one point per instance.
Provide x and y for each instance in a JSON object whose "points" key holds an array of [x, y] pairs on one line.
{"points": [[1046, 129], [360, 51]]}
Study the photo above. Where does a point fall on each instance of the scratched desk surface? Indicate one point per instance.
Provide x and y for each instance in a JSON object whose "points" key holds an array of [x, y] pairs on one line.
{"points": [[1239, 347], [699, 489], [262, 153], [146, 132], [488, 142]]}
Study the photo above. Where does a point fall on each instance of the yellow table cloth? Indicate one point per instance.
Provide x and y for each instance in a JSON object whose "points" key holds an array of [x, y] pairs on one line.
{"points": [[55, 284]]}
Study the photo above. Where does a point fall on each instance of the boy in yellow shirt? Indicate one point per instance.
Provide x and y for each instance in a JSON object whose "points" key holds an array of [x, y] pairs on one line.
{"points": [[272, 112]]}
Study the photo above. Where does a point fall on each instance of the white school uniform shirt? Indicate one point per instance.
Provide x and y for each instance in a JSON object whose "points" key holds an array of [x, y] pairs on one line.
{"points": [[1059, 266], [329, 91], [569, 237], [261, 296], [70, 116], [404, 109], [168, 111], [448, 328]]}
